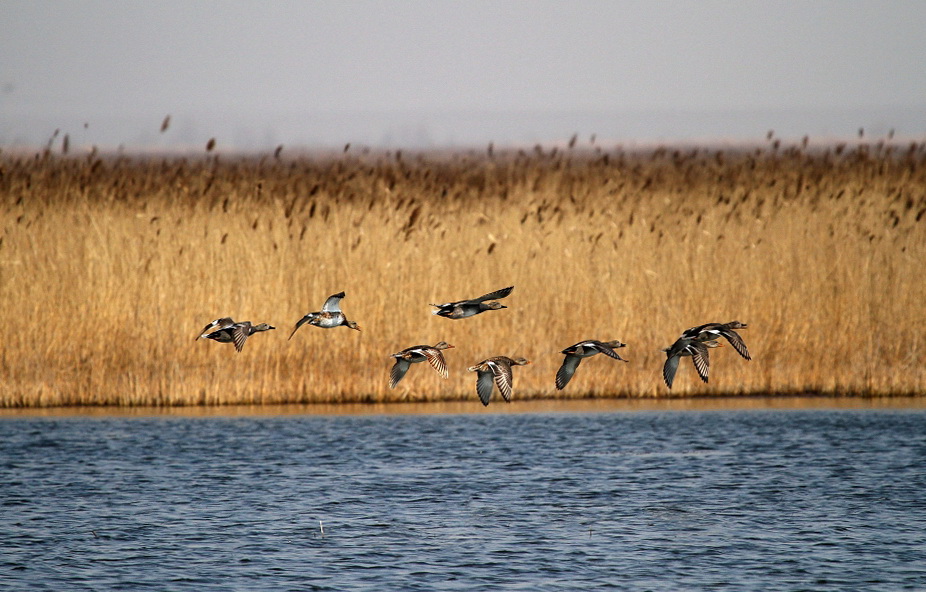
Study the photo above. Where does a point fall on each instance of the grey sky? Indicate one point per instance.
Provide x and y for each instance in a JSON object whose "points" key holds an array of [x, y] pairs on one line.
{"points": [[255, 74]]}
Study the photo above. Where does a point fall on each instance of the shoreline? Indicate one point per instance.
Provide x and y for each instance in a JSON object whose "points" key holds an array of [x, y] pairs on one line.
{"points": [[461, 407]]}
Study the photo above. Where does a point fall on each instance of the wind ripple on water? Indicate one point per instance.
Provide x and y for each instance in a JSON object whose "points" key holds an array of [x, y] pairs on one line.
{"points": [[758, 500]]}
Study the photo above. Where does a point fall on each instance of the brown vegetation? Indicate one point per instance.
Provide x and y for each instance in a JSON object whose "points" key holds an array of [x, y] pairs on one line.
{"points": [[109, 266]]}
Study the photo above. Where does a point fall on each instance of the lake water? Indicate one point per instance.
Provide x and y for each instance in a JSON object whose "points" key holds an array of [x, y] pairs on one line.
{"points": [[715, 499]]}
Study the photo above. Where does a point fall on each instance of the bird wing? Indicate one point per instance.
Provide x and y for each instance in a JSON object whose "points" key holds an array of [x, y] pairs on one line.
{"points": [[333, 304], [436, 359], [669, 369], [399, 369], [494, 295], [503, 378], [607, 350], [484, 386], [216, 325], [699, 357], [565, 372], [695, 332], [737, 342], [301, 322], [240, 334]]}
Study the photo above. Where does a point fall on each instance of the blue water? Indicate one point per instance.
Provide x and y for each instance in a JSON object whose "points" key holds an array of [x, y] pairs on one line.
{"points": [[718, 500]]}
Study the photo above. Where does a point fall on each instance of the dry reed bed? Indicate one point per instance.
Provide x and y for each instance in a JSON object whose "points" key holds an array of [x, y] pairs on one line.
{"points": [[109, 266]]}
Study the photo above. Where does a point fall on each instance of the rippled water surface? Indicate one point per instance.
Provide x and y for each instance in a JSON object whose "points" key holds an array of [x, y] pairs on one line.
{"points": [[693, 500]]}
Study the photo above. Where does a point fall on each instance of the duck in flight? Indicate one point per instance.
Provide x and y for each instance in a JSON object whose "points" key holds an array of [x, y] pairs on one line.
{"points": [[498, 370], [462, 309], [713, 331], [687, 347], [418, 353], [328, 317], [584, 349], [226, 330]]}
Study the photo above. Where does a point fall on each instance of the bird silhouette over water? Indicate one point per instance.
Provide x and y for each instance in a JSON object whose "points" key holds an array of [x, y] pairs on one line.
{"points": [[226, 330], [328, 317], [498, 370], [418, 353], [584, 349], [462, 309]]}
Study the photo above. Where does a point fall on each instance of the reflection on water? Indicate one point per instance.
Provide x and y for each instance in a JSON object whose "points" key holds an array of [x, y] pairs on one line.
{"points": [[565, 497]]}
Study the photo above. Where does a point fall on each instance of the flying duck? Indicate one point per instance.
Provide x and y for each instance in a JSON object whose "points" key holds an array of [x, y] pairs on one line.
{"points": [[584, 349], [329, 317], [462, 309], [226, 330], [497, 369], [418, 353]]}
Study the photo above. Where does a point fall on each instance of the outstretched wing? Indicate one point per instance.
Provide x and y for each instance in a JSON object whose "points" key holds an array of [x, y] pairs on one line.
{"points": [[494, 295], [565, 372], [216, 325], [669, 369], [484, 386], [301, 322], [737, 342], [333, 304], [240, 334], [607, 350], [399, 369], [699, 357], [436, 359], [503, 378]]}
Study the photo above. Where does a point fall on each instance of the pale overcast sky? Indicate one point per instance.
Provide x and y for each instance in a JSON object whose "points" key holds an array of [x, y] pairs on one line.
{"points": [[424, 73]]}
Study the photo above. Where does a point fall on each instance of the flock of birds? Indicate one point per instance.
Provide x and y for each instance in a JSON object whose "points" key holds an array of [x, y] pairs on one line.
{"points": [[694, 342]]}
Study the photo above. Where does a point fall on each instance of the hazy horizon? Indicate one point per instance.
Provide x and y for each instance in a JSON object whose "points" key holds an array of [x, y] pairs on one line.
{"points": [[421, 75]]}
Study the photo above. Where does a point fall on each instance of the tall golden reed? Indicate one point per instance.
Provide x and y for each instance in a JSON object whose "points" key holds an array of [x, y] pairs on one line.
{"points": [[110, 265]]}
